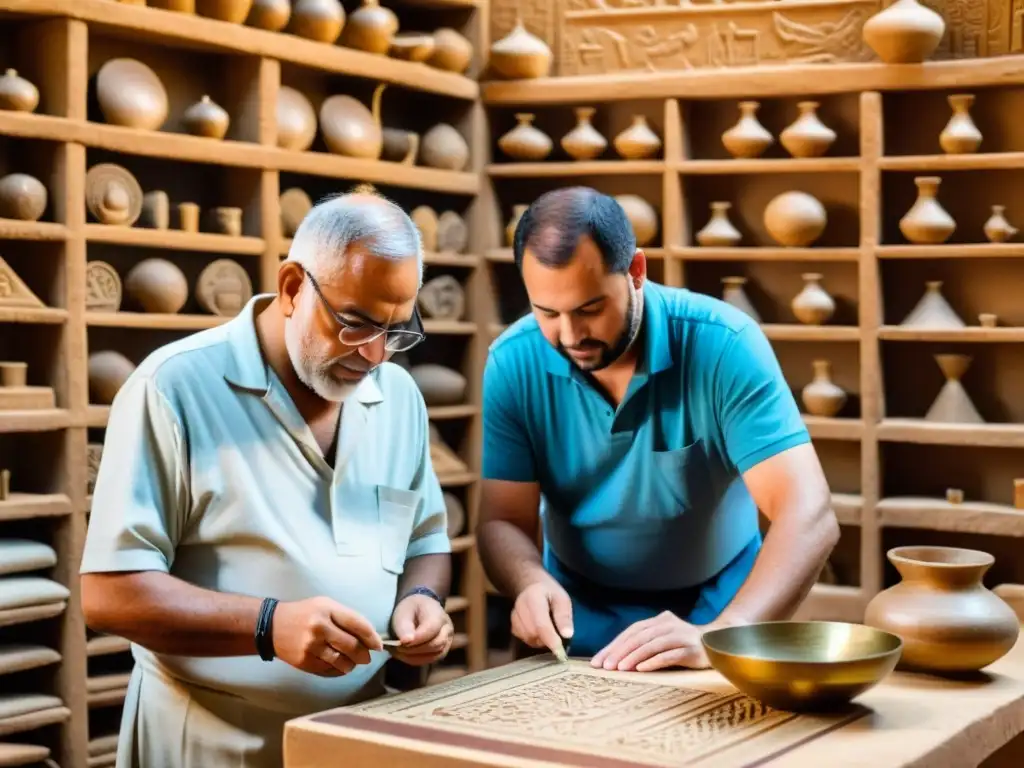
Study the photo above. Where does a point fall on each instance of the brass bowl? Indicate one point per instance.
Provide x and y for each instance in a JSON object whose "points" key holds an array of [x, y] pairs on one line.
{"points": [[803, 666]]}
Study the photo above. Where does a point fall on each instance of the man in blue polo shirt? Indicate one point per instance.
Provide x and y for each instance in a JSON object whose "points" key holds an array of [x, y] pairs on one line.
{"points": [[645, 426]]}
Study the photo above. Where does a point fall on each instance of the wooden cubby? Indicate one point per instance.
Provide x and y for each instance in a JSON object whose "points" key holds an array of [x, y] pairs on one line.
{"points": [[59, 45]]}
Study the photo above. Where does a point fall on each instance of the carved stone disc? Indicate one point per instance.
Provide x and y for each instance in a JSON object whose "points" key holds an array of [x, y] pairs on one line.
{"points": [[102, 287], [442, 298], [112, 195], [223, 287]]}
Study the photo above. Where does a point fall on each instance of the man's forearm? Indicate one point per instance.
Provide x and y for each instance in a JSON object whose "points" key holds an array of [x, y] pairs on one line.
{"points": [[431, 571], [170, 616], [791, 558], [510, 557]]}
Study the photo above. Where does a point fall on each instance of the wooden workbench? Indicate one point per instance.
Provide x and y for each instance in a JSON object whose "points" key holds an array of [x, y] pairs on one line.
{"points": [[537, 712]]}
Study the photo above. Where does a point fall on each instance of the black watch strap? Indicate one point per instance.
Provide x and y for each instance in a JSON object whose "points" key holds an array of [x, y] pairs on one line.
{"points": [[264, 629], [422, 591]]}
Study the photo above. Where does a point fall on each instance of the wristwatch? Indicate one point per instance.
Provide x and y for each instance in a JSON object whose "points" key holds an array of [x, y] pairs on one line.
{"points": [[421, 590]]}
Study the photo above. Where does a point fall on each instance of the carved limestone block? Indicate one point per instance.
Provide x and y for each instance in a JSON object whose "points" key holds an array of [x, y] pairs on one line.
{"points": [[223, 287], [442, 298], [102, 287], [14, 292]]}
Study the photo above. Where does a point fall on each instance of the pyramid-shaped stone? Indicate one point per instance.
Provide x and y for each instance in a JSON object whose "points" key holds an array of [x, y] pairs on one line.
{"points": [[13, 291]]}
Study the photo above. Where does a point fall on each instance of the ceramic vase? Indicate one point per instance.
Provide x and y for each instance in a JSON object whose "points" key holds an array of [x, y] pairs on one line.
{"points": [[526, 141], [748, 138], [370, 28], [584, 142], [953, 405], [231, 11], [822, 397], [520, 54], [271, 15], [795, 219], [948, 621], [638, 141], [997, 228], [927, 222], [807, 136], [961, 135], [719, 231], [904, 33], [452, 51], [733, 293], [17, 93], [510, 228], [642, 216], [206, 118], [22, 197], [319, 20], [932, 310], [813, 305]]}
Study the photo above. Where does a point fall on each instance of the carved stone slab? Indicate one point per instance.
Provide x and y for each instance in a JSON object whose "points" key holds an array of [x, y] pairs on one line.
{"points": [[13, 290], [102, 287], [538, 711]]}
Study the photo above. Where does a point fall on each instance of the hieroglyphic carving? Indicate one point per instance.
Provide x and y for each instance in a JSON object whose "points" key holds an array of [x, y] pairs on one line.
{"points": [[540, 17], [1017, 26], [966, 28], [997, 23], [698, 36]]}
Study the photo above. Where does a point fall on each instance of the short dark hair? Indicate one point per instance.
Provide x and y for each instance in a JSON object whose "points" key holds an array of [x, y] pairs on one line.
{"points": [[553, 225]]}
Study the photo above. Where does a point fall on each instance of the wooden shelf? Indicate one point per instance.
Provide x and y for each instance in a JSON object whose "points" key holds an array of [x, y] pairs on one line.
{"points": [[43, 420], [831, 602], [769, 165], [174, 240], [33, 315], [455, 479], [783, 332], [455, 604], [26, 506], [754, 253], [445, 412], [12, 229], [982, 161], [106, 645], [448, 259], [971, 333], [928, 432], [956, 251], [938, 514], [574, 168], [463, 544], [449, 327], [822, 428], [153, 320], [848, 508]]}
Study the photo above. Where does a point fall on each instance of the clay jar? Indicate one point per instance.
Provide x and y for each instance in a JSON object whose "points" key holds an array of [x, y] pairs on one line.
{"points": [[131, 95], [452, 51], [17, 93], [233, 11], [748, 138], [961, 135], [807, 136], [927, 222], [526, 141], [813, 305], [157, 285], [443, 147], [638, 141], [350, 129], [22, 197], [584, 142], [822, 397], [997, 228], [520, 55], [206, 118], [948, 621], [904, 33], [319, 20], [719, 231], [271, 15], [370, 28], [795, 219]]}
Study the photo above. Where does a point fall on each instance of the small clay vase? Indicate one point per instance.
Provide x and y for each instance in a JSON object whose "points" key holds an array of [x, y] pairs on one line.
{"points": [[271, 15], [349, 128], [747, 138], [638, 141], [719, 231], [961, 135], [232, 11], [997, 228], [452, 51], [948, 620], [584, 142], [17, 94], [520, 55], [733, 293], [807, 136], [320, 20], [795, 219], [526, 141], [188, 217], [444, 147], [296, 120], [22, 197], [953, 405], [813, 305], [157, 285], [932, 310], [822, 397], [988, 320], [206, 118], [906, 32], [927, 222], [642, 216], [370, 28], [131, 95], [510, 228]]}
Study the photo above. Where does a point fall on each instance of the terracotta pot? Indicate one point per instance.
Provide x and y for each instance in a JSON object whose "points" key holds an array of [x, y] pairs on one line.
{"points": [[320, 20], [520, 55], [108, 371], [719, 231], [904, 33], [13, 374], [807, 136], [584, 142], [997, 228], [157, 285], [510, 228], [795, 219], [370, 28], [526, 141], [131, 95], [927, 221], [452, 51], [748, 138], [271, 15], [17, 93], [947, 619], [961, 135], [349, 128], [296, 120], [22, 197], [206, 118], [813, 305], [443, 147], [822, 397], [733, 293], [638, 141], [233, 11]]}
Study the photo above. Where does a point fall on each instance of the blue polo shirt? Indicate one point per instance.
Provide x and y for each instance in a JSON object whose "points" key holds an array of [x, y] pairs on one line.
{"points": [[647, 496]]}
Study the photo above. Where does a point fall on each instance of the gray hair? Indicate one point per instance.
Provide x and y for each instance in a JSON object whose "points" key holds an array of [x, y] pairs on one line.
{"points": [[337, 223]]}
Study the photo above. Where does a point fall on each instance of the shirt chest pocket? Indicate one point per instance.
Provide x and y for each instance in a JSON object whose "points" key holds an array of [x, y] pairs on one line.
{"points": [[682, 480], [374, 522]]}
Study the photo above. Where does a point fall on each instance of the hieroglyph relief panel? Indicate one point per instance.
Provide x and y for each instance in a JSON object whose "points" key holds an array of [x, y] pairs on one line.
{"points": [[540, 17], [974, 28]]}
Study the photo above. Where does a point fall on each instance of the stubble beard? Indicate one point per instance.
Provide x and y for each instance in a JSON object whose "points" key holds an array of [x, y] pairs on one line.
{"points": [[308, 353], [630, 332]]}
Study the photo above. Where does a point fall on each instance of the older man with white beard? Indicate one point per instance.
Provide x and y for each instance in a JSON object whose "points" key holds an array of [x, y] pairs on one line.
{"points": [[266, 512]]}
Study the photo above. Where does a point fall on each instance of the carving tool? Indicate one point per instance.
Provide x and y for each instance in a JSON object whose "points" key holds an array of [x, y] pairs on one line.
{"points": [[559, 652]]}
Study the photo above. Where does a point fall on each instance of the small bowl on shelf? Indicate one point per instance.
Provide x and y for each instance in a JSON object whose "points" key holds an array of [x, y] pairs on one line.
{"points": [[803, 666]]}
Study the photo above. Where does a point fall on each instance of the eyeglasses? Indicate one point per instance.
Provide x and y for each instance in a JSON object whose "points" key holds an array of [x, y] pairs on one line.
{"points": [[399, 339]]}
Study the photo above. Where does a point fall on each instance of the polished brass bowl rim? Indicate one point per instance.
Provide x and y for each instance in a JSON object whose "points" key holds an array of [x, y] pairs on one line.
{"points": [[903, 555], [897, 648]]}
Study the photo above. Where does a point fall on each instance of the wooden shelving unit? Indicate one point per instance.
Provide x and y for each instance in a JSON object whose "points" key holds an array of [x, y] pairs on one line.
{"points": [[58, 45], [888, 467]]}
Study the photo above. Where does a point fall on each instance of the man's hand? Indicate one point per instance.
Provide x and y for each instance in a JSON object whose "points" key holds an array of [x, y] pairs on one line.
{"points": [[542, 615], [424, 629], [321, 636], [657, 643]]}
